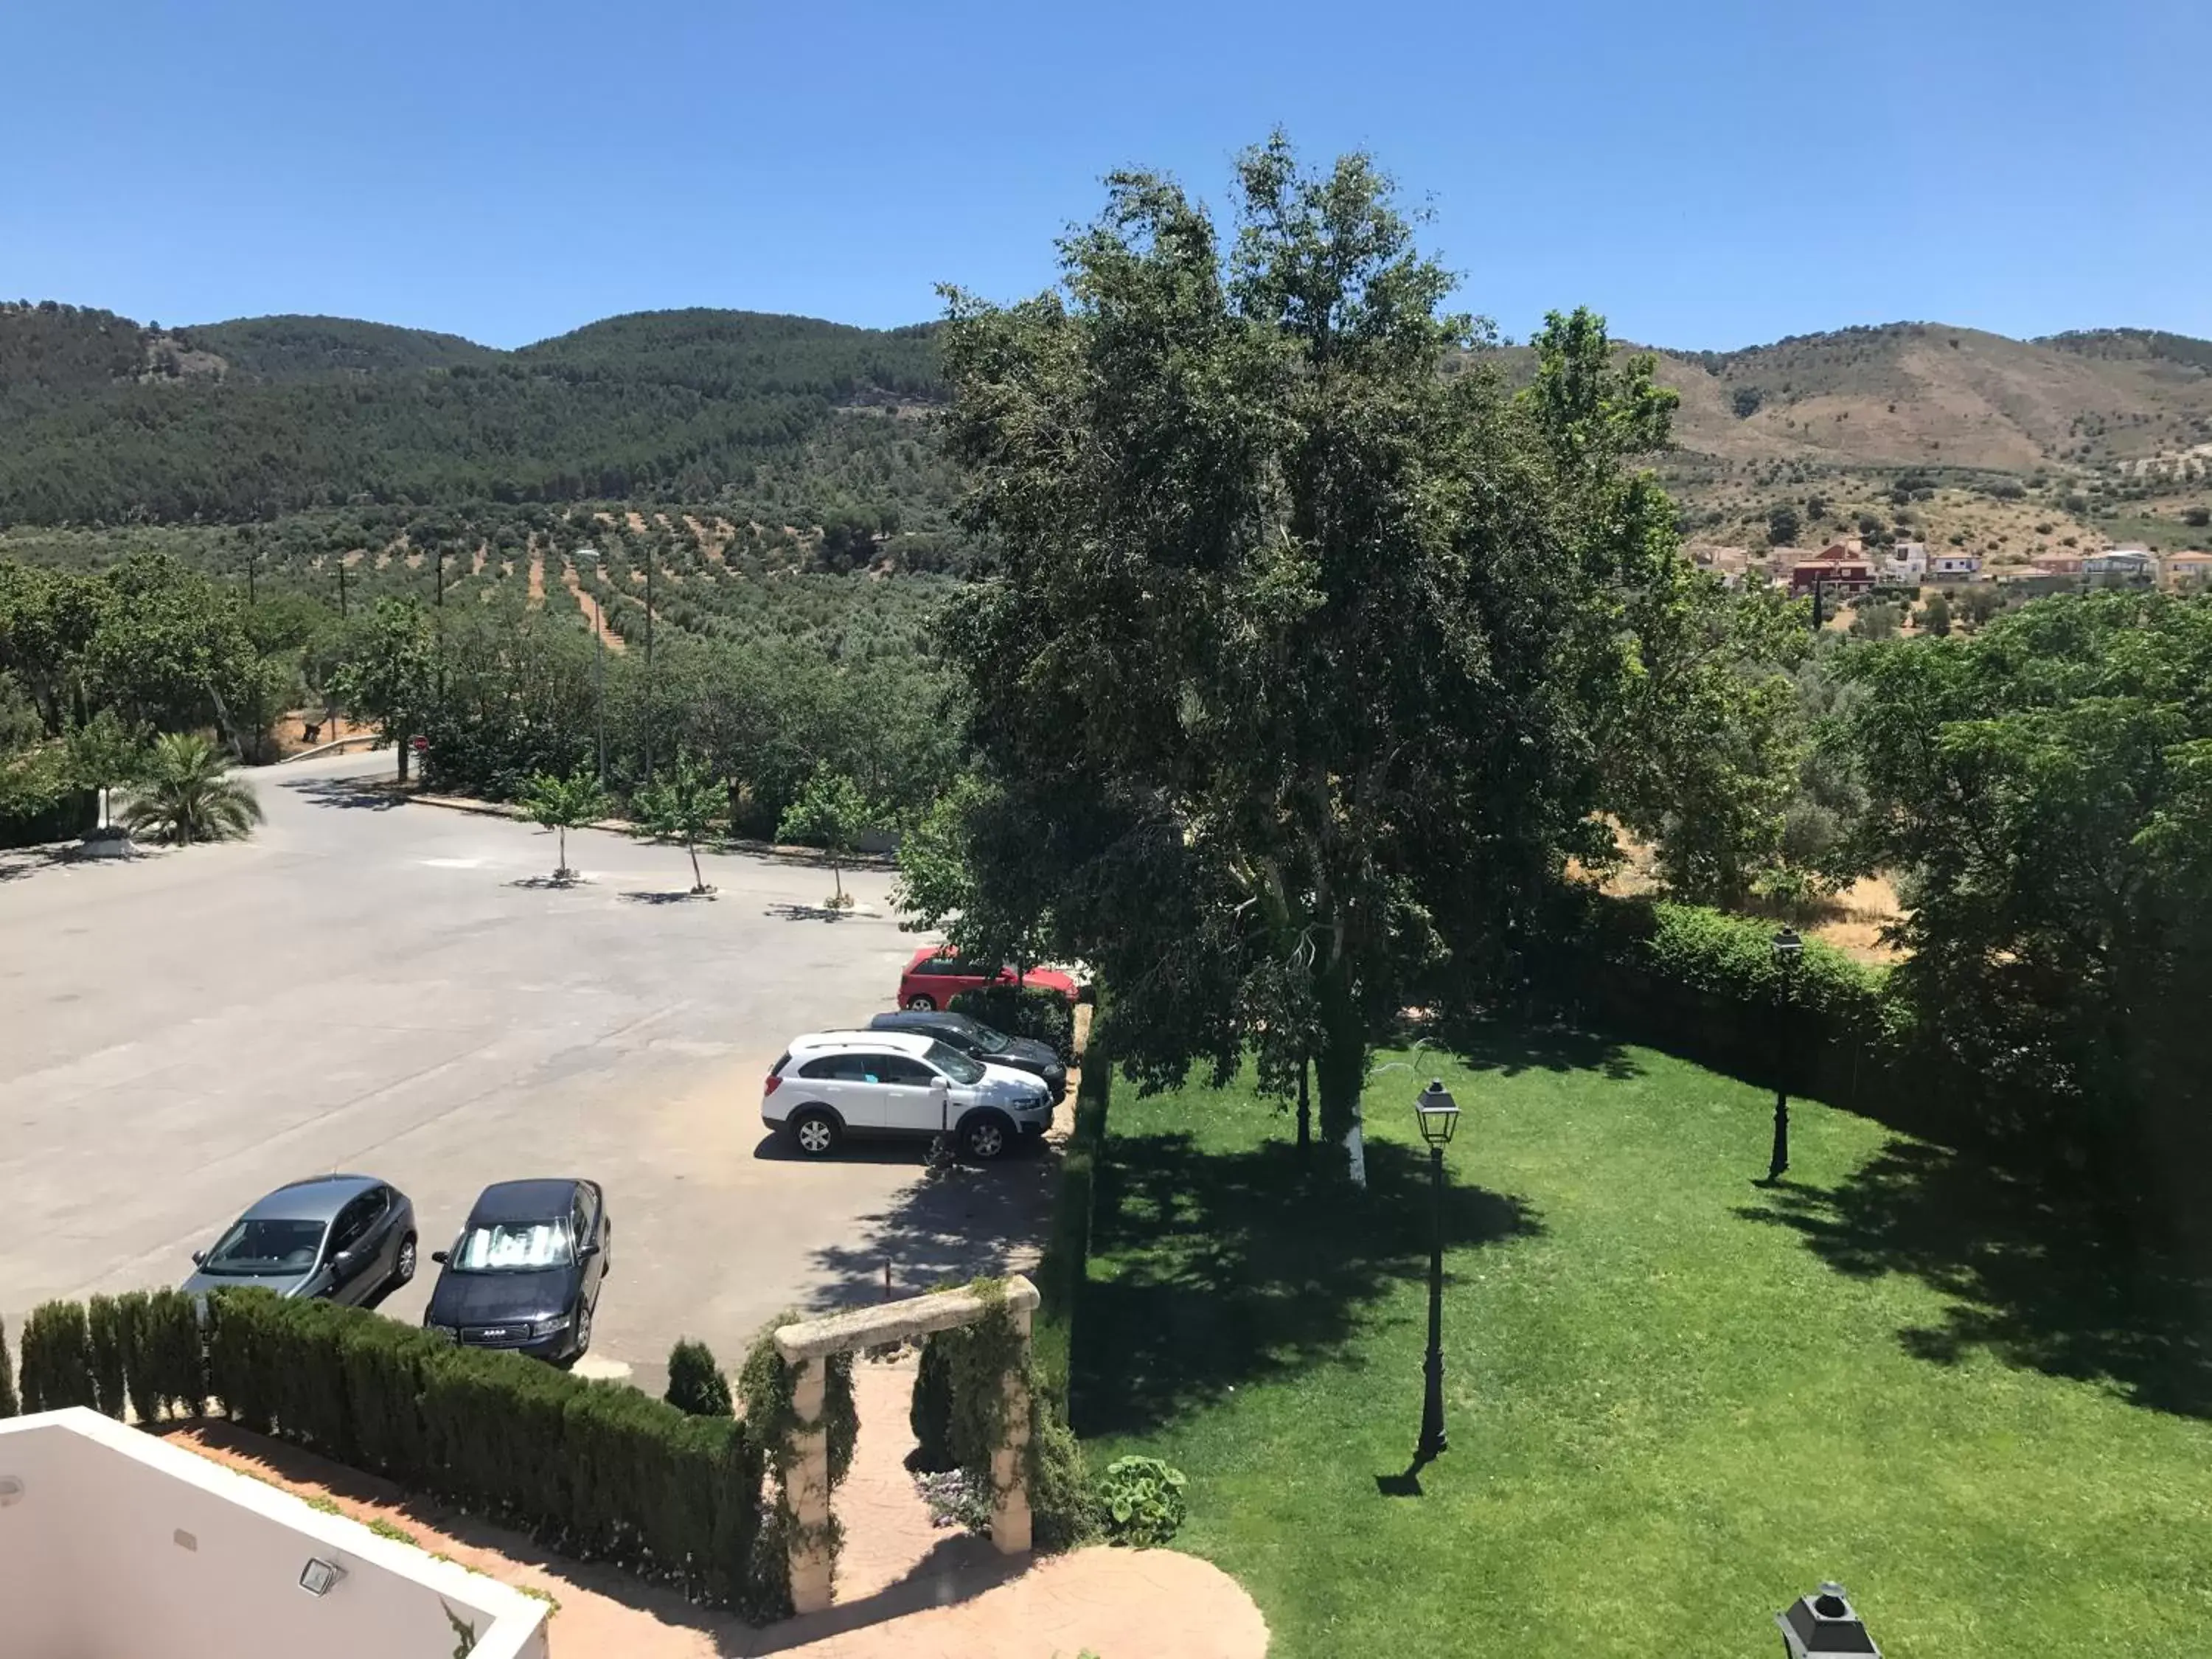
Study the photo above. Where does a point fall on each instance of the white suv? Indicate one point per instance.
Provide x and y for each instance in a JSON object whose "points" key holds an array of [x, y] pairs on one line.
{"points": [[832, 1084]]}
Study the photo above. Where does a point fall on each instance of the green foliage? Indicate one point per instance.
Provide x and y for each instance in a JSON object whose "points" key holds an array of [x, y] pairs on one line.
{"points": [[599, 1470], [1142, 1501], [681, 805], [1782, 525], [831, 814], [561, 804], [767, 1386], [57, 1358], [970, 832], [1299, 651], [929, 1414], [695, 1383], [103, 1330], [1936, 615], [1064, 1508], [1029, 1011], [9, 1405], [184, 794], [385, 673], [2045, 785]]}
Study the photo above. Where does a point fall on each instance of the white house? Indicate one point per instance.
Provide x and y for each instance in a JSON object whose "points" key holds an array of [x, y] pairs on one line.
{"points": [[115, 1544], [1954, 567], [1908, 561], [2122, 563]]}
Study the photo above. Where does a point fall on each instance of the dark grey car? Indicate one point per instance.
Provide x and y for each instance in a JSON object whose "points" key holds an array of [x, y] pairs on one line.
{"points": [[981, 1042], [348, 1237]]}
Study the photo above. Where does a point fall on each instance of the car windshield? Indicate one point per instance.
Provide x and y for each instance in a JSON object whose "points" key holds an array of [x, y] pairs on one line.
{"points": [[513, 1247], [266, 1247], [976, 1031], [954, 1064]]}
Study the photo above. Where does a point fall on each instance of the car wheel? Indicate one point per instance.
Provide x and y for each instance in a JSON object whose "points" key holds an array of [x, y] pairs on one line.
{"points": [[583, 1329], [402, 1269], [920, 1004], [814, 1132], [985, 1137]]}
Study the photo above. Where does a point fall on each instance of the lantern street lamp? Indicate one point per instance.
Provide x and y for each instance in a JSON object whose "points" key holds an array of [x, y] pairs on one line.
{"points": [[1788, 947], [1438, 1114], [1825, 1625], [599, 663]]}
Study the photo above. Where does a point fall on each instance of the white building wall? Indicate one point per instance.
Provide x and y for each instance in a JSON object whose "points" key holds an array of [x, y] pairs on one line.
{"points": [[123, 1547]]}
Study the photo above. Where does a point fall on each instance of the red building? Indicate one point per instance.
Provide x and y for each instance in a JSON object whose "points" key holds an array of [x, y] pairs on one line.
{"points": [[1837, 570]]}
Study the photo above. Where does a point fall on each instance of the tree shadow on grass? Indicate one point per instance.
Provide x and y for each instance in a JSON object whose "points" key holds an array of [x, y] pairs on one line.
{"points": [[1212, 1270], [1511, 1050], [2030, 1275]]}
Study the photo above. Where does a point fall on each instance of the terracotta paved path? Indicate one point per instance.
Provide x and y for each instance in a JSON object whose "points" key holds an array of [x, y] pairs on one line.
{"points": [[905, 1590]]}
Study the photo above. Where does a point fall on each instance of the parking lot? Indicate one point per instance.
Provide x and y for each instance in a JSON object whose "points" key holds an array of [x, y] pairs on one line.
{"points": [[391, 988]]}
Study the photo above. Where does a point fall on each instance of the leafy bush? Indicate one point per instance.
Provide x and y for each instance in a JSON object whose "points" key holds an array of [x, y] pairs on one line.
{"points": [[1142, 1501], [696, 1385], [57, 1358], [930, 1414], [1029, 1011], [1062, 1267], [8, 1404], [1065, 1511]]}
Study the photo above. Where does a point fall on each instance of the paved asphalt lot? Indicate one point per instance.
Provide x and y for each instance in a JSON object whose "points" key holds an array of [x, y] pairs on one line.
{"points": [[381, 988]]}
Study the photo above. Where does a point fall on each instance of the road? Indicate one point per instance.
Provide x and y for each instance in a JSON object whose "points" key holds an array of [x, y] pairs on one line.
{"points": [[392, 989]]}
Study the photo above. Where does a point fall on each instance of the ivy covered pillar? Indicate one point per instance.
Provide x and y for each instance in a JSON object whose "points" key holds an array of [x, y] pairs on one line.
{"points": [[813, 1558], [1010, 1482]]}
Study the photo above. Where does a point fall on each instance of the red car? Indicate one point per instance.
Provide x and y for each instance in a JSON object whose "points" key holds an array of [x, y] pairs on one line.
{"points": [[935, 976]]}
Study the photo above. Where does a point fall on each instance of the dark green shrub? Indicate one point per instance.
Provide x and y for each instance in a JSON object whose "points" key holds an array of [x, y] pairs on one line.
{"points": [[137, 1376], [1064, 1508], [1062, 1267], [56, 1369], [9, 1407], [170, 1365], [930, 1415], [696, 1383], [1141, 1501], [1029, 1011], [104, 1332]]}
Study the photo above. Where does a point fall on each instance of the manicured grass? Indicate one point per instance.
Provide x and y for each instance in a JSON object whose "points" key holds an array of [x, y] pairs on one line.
{"points": [[1676, 1399]]}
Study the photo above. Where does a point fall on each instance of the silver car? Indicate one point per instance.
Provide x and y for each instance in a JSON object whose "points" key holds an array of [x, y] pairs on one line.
{"points": [[348, 1237]]}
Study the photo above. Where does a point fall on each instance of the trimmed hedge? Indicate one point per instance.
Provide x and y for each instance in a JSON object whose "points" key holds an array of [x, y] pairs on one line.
{"points": [[1707, 985], [599, 1470], [8, 1405], [1029, 1011], [1065, 1257], [56, 1369]]}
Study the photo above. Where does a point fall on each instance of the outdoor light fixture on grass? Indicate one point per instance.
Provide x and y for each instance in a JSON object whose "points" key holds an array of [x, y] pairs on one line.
{"points": [[319, 1576], [1438, 1115], [1824, 1625], [1788, 947]]}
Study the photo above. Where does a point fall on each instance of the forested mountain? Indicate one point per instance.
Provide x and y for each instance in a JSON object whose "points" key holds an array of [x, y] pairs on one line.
{"points": [[103, 421]]}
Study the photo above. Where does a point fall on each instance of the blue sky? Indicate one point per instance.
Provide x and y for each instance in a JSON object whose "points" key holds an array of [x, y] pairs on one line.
{"points": [[1707, 173]]}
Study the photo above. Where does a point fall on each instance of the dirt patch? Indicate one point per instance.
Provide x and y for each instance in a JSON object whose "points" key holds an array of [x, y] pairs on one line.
{"points": [[590, 607], [537, 573], [290, 733]]}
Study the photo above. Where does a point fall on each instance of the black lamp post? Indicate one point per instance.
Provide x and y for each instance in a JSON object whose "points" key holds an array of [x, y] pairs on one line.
{"points": [[1788, 947], [1439, 1115]]}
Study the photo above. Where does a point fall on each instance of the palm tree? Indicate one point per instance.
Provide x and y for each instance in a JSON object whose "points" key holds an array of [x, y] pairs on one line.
{"points": [[185, 794], [562, 804]]}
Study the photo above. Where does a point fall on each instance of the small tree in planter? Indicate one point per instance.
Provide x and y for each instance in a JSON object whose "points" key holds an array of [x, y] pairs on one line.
{"points": [[561, 804], [683, 806], [830, 813]]}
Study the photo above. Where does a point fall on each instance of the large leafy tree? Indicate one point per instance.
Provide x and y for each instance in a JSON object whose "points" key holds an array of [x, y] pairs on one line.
{"points": [[562, 803], [387, 672], [681, 805], [2044, 789], [830, 813], [1301, 638]]}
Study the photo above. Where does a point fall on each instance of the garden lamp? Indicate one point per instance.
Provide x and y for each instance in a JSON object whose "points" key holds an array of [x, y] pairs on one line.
{"points": [[1437, 1114], [1824, 1625]]}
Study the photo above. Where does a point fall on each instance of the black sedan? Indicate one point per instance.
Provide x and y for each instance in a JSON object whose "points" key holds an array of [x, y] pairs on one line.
{"points": [[980, 1041], [525, 1273], [348, 1237]]}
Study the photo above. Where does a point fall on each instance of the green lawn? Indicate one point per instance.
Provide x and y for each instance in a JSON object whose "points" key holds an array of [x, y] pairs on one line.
{"points": [[1676, 1399]]}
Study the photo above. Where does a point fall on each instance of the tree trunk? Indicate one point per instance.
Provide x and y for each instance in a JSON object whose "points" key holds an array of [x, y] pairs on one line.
{"points": [[1341, 1067], [698, 881], [560, 836], [838, 877], [1305, 1110], [400, 744]]}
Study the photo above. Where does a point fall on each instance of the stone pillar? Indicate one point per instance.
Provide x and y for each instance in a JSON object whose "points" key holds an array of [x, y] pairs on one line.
{"points": [[808, 1491], [1010, 1503]]}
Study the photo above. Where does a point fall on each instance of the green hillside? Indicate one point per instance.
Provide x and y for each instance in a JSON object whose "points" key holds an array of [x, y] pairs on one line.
{"points": [[104, 421]]}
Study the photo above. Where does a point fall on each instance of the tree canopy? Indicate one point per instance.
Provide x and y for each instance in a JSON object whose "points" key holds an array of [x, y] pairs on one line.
{"points": [[1299, 656]]}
